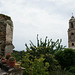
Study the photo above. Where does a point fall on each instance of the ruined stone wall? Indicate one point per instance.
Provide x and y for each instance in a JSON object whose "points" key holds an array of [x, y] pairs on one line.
{"points": [[9, 37], [9, 34], [6, 34], [2, 37]]}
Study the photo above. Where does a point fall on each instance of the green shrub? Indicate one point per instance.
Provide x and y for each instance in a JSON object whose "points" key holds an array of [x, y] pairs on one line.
{"points": [[72, 69], [66, 58]]}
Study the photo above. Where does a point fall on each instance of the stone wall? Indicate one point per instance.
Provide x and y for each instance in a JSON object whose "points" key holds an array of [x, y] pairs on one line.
{"points": [[6, 34], [2, 37], [71, 33], [9, 33]]}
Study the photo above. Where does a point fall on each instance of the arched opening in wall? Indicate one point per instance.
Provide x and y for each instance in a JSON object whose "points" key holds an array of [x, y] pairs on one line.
{"points": [[72, 25], [0, 43], [72, 33], [72, 44]]}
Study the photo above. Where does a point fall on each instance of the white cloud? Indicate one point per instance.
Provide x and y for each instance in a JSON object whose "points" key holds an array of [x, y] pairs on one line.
{"points": [[43, 17]]}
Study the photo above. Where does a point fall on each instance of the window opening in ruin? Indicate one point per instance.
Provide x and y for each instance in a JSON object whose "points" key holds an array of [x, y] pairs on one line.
{"points": [[0, 42], [72, 33], [72, 25], [72, 44]]}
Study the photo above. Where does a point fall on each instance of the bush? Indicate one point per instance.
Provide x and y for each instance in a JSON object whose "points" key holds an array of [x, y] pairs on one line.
{"points": [[60, 73], [66, 58], [72, 69]]}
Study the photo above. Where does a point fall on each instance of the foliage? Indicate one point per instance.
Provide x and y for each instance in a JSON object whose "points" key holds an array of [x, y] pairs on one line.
{"points": [[60, 72], [54, 65], [48, 46], [25, 63], [47, 58], [8, 56], [66, 58], [39, 66], [72, 69], [11, 59], [18, 55], [35, 67]]}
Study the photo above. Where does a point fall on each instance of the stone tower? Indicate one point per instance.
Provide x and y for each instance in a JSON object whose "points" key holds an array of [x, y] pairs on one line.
{"points": [[71, 33], [6, 34]]}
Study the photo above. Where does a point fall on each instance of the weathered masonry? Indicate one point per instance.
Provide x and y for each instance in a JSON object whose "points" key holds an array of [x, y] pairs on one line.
{"points": [[71, 33], [6, 34]]}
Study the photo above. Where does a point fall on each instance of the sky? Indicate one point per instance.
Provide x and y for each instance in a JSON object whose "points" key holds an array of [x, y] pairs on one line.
{"points": [[44, 17]]}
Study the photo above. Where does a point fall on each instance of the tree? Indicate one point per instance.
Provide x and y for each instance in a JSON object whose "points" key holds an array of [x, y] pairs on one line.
{"points": [[47, 48], [35, 67], [43, 47], [66, 58]]}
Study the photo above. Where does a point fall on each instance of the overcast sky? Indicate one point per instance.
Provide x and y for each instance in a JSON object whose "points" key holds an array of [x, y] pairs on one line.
{"points": [[44, 17]]}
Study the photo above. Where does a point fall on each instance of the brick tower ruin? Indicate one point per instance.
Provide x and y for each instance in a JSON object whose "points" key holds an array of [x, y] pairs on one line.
{"points": [[6, 35], [71, 33]]}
